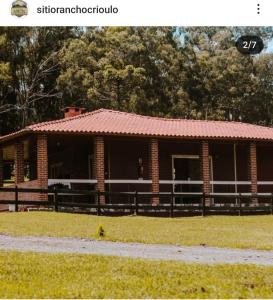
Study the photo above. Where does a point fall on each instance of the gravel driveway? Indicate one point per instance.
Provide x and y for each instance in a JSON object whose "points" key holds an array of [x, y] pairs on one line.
{"points": [[197, 254]]}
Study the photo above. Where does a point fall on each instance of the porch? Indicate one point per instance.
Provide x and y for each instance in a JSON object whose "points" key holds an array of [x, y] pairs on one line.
{"points": [[133, 164]]}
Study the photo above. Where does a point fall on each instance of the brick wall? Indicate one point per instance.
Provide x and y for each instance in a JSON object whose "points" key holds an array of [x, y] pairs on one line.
{"points": [[99, 165], [19, 162], [32, 157], [73, 111], [205, 168], [42, 164], [252, 168], [154, 167]]}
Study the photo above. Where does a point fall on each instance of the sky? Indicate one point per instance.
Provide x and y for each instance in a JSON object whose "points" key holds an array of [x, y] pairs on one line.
{"points": [[270, 47]]}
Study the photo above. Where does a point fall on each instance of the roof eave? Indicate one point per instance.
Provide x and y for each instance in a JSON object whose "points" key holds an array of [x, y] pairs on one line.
{"points": [[9, 137], [215, 138]]}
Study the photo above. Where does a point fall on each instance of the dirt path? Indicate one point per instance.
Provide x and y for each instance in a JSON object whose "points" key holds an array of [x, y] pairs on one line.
{"points": [[136, 250]]}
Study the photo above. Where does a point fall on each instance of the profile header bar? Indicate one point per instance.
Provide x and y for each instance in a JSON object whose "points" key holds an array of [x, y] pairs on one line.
{"points": [[136, 13]]}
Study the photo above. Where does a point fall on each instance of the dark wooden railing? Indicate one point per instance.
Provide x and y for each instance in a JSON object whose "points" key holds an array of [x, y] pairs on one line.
{"points": [[141, 202]]}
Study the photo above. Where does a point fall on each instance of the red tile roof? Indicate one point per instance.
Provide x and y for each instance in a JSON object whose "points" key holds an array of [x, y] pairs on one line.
{"points": [[109, 122]]}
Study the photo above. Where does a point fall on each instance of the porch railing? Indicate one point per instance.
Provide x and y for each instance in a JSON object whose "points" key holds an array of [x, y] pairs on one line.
{"points": [[120, 181], [145, 181], [61, 199], [68, 182], [214, 183]]}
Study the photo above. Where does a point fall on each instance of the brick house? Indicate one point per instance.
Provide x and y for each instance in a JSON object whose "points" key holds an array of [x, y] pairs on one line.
{"points": [[116, 151]]}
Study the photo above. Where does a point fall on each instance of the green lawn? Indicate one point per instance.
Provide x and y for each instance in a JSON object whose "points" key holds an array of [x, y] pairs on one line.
{"points": [[35, 275], [222, 231]]}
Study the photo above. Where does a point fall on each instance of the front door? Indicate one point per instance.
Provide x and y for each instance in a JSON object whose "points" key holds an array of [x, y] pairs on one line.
{"points": [[186, 168]]}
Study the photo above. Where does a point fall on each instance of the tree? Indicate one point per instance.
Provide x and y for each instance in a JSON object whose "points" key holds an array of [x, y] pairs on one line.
{"points": [[28, 58], [260, 108], [135, 69], [222, 81], [163, 71]]}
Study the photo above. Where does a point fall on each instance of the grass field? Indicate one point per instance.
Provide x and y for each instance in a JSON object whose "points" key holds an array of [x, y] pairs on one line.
{"points": [[34, 275], [222, 231]]}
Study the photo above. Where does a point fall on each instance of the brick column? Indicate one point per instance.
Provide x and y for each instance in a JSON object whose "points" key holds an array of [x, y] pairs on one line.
{"points": [[154, 169], [1, 168], [19, 162], [99, 165], [205, 168], [252, 168], [42, 164]]}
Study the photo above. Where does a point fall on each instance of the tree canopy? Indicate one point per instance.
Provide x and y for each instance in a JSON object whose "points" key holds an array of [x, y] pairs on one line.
{"points": [[162, 71]]}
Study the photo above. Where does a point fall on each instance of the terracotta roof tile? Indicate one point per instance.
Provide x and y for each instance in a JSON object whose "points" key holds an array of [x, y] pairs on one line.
{"points": [[109, 122]]}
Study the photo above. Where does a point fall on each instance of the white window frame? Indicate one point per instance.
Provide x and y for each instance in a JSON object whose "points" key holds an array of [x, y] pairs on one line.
{"points": [[189, 156]]}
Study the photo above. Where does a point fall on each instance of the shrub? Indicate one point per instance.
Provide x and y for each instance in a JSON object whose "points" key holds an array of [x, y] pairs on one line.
{"points": [[100, 231]]}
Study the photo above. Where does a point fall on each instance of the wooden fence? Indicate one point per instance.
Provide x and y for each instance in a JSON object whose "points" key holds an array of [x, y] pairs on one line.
{"points": [[141, 202]]}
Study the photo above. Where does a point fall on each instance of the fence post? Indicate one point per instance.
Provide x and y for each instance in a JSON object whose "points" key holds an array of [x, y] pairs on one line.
{"points": [[98, 203], [172, 199], [203, 205], [16, 198], [56, 200], [136, 203]]}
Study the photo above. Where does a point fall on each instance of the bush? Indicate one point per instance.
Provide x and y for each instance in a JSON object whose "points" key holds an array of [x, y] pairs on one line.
{"points": [[100, 231]]}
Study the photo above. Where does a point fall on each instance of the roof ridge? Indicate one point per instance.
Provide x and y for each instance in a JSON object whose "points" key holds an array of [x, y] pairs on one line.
{"points": [[63, 120], [181, 119]]}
